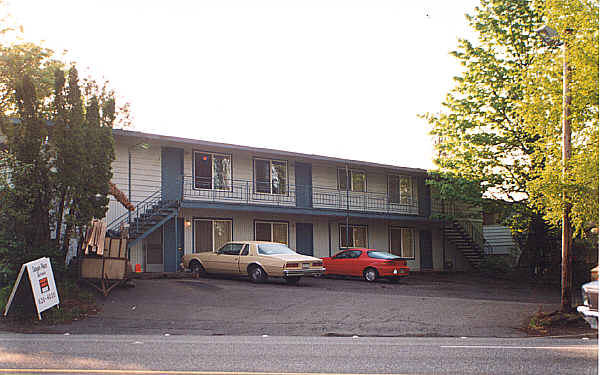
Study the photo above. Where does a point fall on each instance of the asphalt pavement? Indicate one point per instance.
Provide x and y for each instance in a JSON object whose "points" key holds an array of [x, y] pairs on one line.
{"points": [[423, 305], [251, 355]]}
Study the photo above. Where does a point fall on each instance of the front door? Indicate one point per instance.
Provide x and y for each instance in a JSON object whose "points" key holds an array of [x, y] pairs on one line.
{"points": [[303, 173], [304, 238], [426, 250], [154, 251], [171, 173]]}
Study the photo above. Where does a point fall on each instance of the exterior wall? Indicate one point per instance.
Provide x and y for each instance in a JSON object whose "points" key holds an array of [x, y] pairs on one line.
{"points": [[146, 179], [145, 174], [444, 251], [137, 256], [500, 240], [243, 229], [378, 236]]}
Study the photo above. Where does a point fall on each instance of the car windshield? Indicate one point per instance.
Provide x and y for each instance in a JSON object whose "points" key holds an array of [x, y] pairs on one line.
{"points": [[382, 255], [273, 249]]}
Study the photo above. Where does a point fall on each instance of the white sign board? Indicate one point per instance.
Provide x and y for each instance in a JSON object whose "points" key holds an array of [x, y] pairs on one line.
{"points": [[43, 287]]}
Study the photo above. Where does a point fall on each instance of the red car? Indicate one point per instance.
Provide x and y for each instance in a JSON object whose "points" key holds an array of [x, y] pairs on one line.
{"points": [[368, 263]]}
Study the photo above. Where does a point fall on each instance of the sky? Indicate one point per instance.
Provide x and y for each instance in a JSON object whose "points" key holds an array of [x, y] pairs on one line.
{"points": [[340, 78]]}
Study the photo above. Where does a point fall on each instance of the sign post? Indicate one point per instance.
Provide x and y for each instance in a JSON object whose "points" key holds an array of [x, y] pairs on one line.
{"points": [[42, 285]]}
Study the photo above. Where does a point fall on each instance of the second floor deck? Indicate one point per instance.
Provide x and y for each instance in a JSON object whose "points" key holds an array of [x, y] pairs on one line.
{"points": [[302, 196]]}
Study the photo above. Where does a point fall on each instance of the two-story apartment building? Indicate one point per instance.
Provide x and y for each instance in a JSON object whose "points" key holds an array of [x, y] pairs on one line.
{"points": [[194, 195]]}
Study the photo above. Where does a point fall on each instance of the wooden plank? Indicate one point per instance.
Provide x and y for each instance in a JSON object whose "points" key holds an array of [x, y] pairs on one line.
{"points": [[107, 246], [91, 268], [123, 248], [114, 269]]}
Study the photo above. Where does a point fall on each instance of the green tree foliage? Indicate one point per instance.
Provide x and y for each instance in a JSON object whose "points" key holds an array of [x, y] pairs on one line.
{"points": [[577, 24], [84, 150], [500, 126], [56, 160], [480, 134]]}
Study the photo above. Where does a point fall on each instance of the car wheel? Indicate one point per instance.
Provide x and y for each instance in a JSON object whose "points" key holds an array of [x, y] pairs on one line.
{"points": [[292, 280], [197, 268], [370, 274], [257, 274]]}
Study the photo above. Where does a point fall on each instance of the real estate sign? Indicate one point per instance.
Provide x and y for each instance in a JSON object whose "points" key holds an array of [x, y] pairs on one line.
{"points": [[41, 283]]}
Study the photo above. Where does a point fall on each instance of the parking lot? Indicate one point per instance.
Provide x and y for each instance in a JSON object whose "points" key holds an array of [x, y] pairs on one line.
{"points": [[421, 305]]}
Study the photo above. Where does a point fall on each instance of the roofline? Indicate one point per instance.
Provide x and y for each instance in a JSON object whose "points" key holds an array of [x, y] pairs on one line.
{"points": [[197, 142]]}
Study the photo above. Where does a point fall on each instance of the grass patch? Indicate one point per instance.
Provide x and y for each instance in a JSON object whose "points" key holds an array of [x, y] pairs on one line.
{"points": [[556, 323], [77, 301]]}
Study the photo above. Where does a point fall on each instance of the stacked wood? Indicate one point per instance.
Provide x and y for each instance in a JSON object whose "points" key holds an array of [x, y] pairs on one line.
{"points": [[94, 238]]}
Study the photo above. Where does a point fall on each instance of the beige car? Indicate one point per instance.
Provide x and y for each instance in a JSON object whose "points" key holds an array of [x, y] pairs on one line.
{"points": [[257, 259]]}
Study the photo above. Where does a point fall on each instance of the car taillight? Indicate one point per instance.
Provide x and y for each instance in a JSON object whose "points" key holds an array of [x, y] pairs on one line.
{"points": [[291, 265], [317, 264]]}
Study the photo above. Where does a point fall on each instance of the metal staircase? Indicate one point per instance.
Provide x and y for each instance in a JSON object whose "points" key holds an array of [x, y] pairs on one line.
{"points": [[467, 238], [461, 228], [149, 215]]}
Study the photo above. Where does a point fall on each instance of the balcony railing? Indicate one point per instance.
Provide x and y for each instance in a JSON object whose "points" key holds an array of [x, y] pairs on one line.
{"points": [[288, 195]]}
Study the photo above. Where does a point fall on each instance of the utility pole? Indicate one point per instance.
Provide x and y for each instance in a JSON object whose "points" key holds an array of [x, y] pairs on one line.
{"points": [[567, 232], [551, 37]]}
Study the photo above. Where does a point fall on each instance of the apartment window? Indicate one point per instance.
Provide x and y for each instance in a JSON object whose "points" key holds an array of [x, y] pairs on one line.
{"points": [[211, 234], [212, 171], [403, 242], [353, 236], [270, 176], [271, 231], [401, 189], [357, 181]]}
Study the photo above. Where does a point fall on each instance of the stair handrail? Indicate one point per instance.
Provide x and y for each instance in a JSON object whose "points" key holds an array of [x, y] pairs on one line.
{"points": [[116, 223], [449, 212]]}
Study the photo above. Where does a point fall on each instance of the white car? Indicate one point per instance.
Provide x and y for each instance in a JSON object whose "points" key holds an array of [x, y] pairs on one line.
{"points": [[589, 309]]}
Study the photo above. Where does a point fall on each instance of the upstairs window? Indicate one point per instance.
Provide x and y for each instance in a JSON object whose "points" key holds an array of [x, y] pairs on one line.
{"points": [[212, 171], [270, 176], [401, 189], [356, 181]]}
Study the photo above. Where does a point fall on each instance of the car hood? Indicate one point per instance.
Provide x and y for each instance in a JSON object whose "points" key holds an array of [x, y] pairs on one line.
{"points": [[592, 286], [294, 257]]}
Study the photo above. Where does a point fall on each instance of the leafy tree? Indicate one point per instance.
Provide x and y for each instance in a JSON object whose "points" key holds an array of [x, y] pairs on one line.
{"points": [[58, 152], [500, 125], [480, 134], [577, 24], [84, 150]]}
